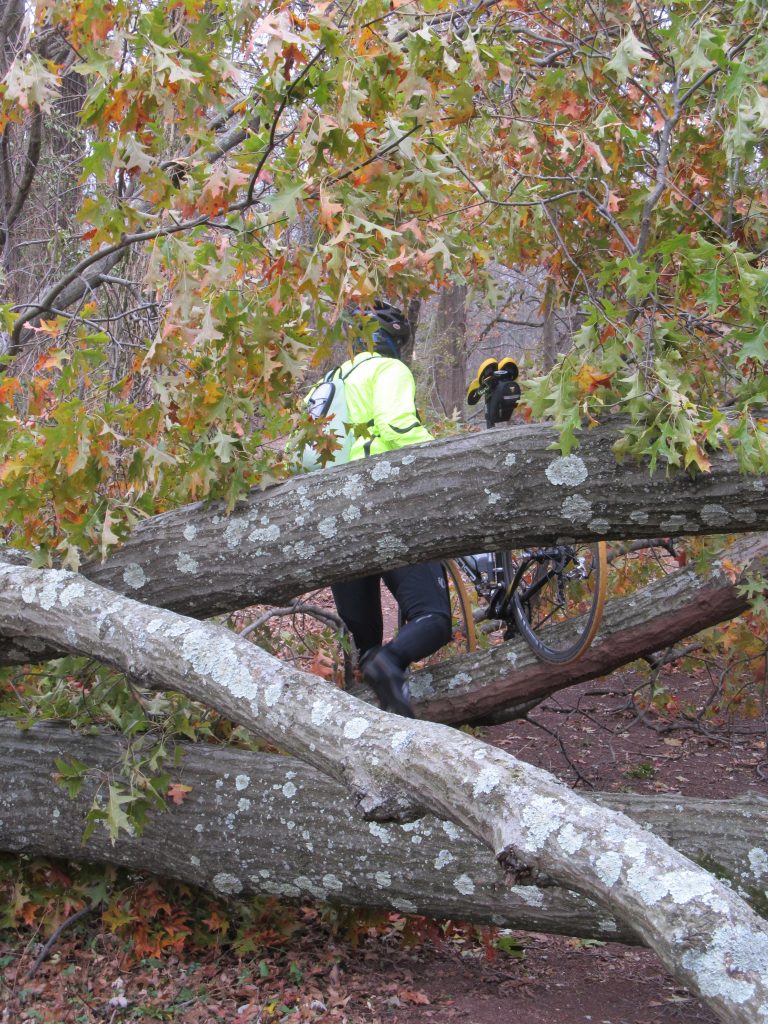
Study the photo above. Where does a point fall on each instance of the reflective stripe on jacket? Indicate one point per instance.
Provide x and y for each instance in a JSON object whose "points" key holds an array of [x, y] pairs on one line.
{"points": [[381, 395]]}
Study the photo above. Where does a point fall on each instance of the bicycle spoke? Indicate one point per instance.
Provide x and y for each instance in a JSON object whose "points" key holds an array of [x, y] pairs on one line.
{"points": [[558, 602]]}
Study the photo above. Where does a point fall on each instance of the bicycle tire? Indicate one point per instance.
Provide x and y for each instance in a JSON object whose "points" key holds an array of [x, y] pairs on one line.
{"points": [[462, 619], [463, 632], [560, 626]]}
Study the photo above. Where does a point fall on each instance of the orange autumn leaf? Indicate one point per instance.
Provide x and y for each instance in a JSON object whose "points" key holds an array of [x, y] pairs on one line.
{"points": [[414, 227], [407, 995], [658, 122], [369, 172], [360, 128], [8, 388], [211, 392], [589, 379], [322, 666], [613, 202], [48, 327], [570, 105], [730, 570], [327, 211], [177, 792], [216, 922], [28, 913]]}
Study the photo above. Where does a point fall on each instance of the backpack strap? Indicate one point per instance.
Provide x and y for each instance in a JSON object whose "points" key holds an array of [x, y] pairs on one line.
{"points": [[354, 366]]}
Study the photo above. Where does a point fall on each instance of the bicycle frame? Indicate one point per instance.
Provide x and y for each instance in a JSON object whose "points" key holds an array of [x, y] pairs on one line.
{"points": [[542, 587], [484, 571], [510, 597]]}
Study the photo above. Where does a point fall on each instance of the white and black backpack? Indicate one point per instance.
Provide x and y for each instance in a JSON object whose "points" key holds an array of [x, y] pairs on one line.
{"points": [[327, 398]]}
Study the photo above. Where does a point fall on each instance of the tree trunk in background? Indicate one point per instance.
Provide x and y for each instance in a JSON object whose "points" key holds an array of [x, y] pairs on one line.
{"points": [[549, 337], [14, 144], [413, 312], [256, 818], [66, 141], [41, 161], [449, 349]]}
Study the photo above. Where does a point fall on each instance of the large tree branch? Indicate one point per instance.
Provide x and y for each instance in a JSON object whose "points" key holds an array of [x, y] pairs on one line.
{"points": [[702, 931], [281, 828], [491, 685], [498, 489]]}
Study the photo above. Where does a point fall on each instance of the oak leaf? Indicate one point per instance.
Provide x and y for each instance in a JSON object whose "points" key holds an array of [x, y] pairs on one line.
{"points": [[589, 379], [177, 792], [327, 211]]}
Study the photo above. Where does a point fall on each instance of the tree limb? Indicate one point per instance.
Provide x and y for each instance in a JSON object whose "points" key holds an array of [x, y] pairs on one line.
{"points": [[702, 931], [28, 175], [505, 488], [489, 686], [283, 829]]}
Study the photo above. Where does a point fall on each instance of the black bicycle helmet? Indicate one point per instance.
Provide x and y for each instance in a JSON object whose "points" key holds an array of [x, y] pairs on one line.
{"points": [[393, 321], [392, 332]]}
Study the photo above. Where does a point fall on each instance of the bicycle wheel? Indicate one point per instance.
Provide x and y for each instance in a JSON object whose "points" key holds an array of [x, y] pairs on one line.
{"points": [[558, 603], [463, 633]]}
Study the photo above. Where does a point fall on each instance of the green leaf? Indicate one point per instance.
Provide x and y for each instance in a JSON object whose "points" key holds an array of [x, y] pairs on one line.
{"points": [[284, 204], [511, 946], [71, 774], [629, 51], [115, 815], [754, 346], [223, 445], [714, 281]]}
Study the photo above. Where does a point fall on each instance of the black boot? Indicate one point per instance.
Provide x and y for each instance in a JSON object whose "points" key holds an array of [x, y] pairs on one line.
{"points": [[387, 680]]}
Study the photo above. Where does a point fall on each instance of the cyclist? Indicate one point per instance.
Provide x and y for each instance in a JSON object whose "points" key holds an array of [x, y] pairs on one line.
{"points": [[380, 396]]}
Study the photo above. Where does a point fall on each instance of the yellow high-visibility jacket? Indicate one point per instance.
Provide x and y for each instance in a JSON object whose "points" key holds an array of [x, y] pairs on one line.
{"points": [[381, 395]]}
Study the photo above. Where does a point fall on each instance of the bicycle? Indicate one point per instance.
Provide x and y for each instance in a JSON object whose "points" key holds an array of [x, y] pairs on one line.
{"points": [[553, 597]]}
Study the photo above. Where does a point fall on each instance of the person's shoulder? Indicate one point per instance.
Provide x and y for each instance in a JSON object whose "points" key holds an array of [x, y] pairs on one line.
{"points": [[393, 367]]}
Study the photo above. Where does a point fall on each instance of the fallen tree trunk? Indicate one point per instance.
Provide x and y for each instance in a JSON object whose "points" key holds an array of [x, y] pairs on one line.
{"points": [[489, 685], [281, 828], [702, 931], [504, 489]]}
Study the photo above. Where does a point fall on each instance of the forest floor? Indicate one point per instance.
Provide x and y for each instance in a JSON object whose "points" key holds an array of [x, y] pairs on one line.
{"points": [[396, 972]]}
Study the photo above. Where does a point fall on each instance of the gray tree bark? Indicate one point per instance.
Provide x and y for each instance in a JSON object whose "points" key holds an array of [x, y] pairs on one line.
{"points": [[448, 353], [282, 828], [497, 489], [501, 488], [703, 932], [548, 335], [490, 685]]}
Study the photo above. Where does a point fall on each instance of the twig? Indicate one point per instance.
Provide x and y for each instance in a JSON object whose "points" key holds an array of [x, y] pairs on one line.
{"points": [[273, 127], [296, 608], [43, 954], [571, 765], [328, 618], [671, 654]]}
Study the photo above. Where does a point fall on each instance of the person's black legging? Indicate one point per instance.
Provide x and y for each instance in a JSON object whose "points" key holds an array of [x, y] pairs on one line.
{"points": [[421, 592]]}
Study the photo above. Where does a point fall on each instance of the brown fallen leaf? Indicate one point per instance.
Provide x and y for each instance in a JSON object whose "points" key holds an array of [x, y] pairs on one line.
{"points": [[409, 996]]}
